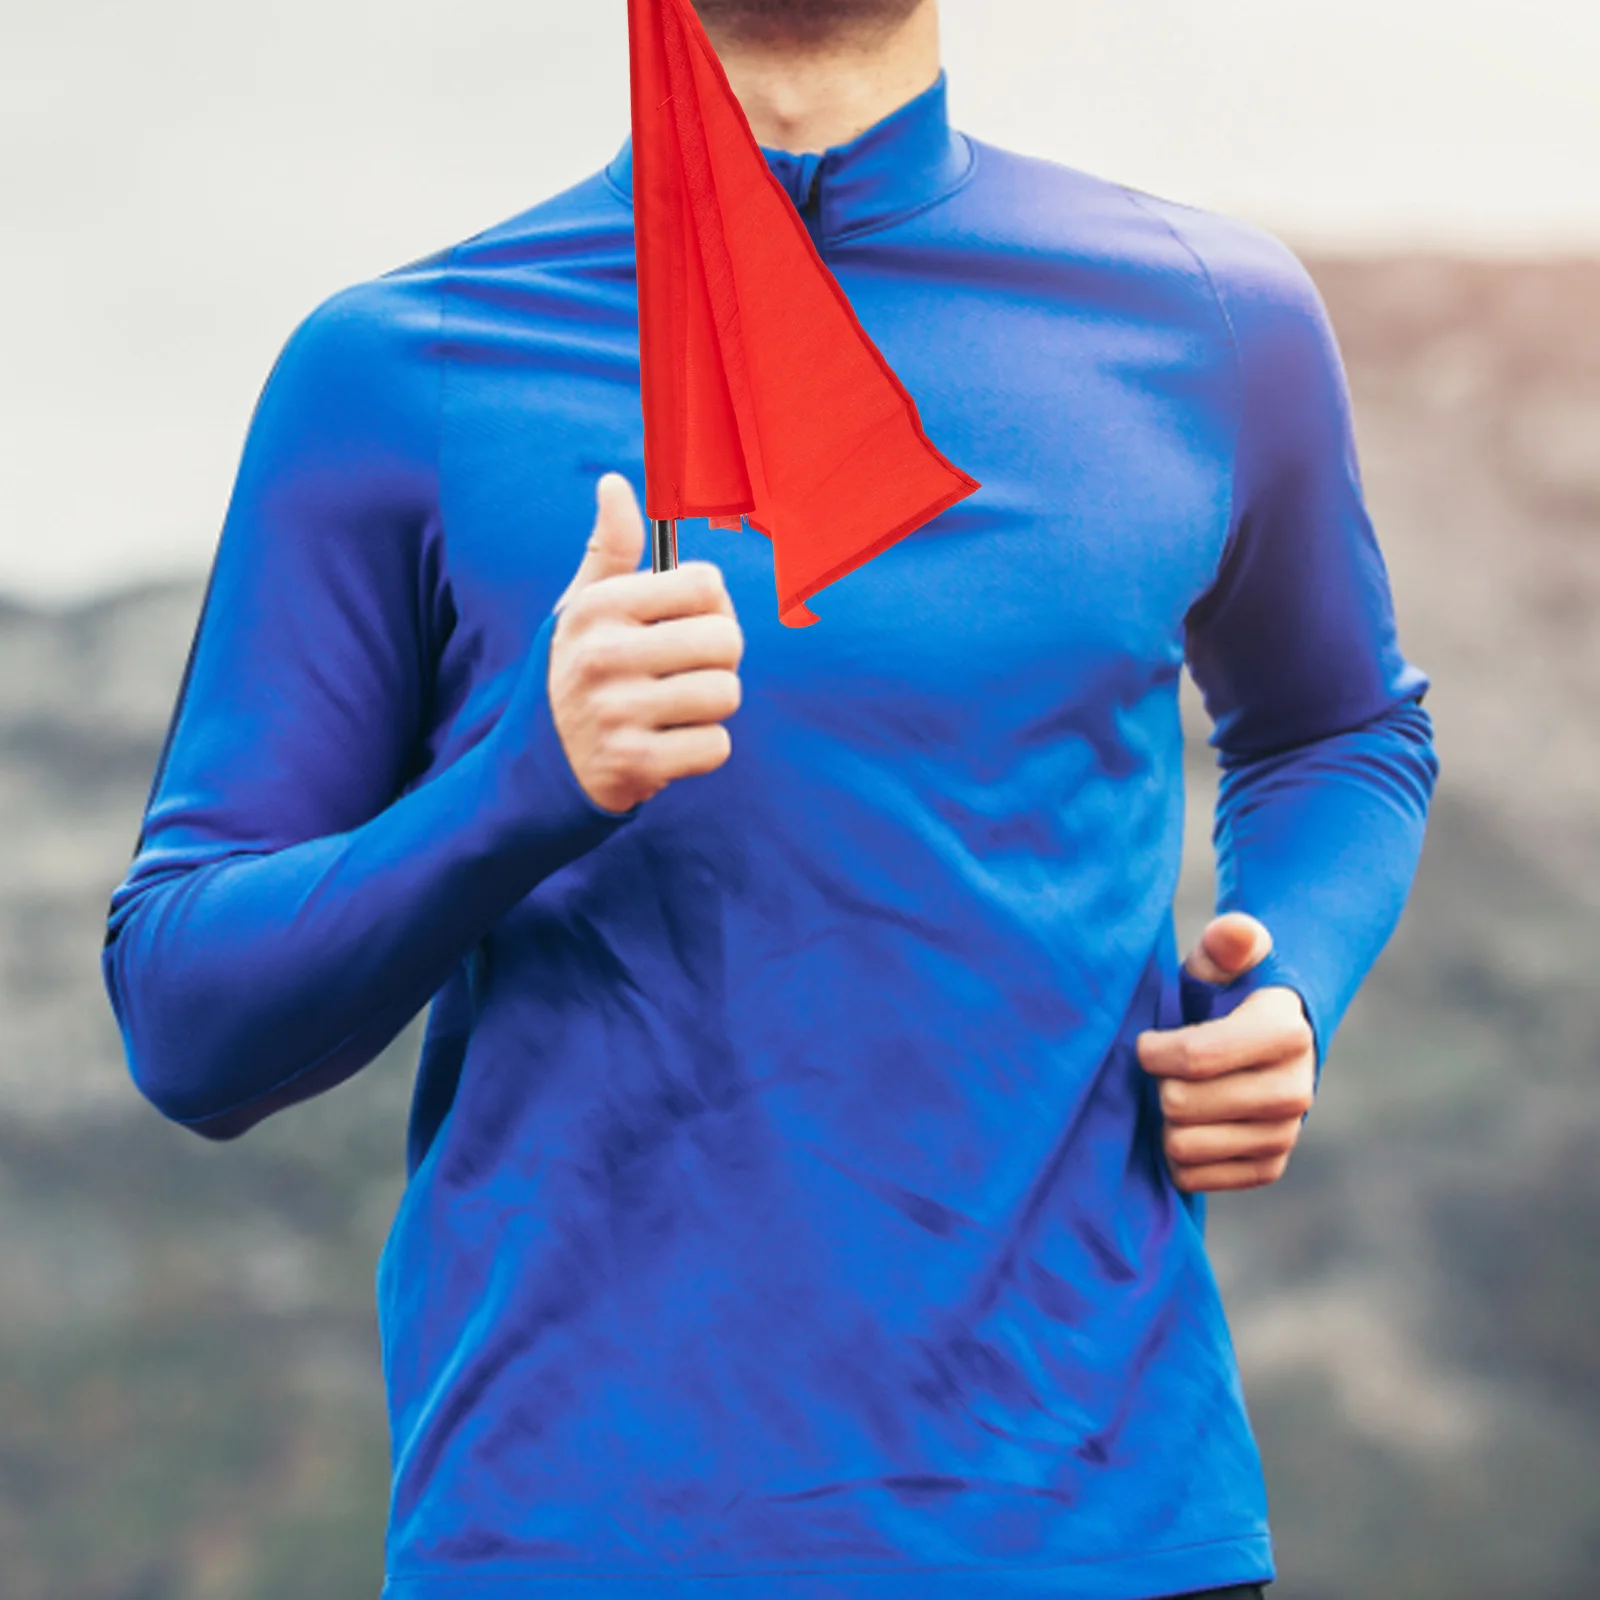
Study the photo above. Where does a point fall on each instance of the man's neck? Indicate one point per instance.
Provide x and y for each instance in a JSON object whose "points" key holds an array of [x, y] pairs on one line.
{"points": [[807, 101]]}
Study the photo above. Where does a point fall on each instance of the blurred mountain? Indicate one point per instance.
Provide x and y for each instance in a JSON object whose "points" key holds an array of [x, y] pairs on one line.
{"points": [[190, 1405]]}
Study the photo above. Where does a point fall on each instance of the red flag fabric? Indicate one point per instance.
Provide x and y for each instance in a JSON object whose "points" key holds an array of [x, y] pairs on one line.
{"points": [[763, 395]]}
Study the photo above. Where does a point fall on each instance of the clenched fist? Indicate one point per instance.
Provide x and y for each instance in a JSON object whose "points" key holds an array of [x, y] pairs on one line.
{"points": [[644, 667], [1234, 1091]]}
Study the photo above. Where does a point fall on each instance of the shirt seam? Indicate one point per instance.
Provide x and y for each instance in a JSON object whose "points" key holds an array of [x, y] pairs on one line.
{"points": [[1236, 347], [882, 224], [435, 647]]}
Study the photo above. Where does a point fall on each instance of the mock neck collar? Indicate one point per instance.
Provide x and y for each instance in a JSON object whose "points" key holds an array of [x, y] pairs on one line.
{"points": [[898, 166]]}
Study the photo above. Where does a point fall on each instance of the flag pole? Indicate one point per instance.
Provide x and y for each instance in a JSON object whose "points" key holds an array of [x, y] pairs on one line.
{"points": [[663, 544]]}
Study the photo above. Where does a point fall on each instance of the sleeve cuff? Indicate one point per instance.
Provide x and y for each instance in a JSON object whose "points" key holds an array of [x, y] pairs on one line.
{"points": [[1206, 1002], [550, 808]]}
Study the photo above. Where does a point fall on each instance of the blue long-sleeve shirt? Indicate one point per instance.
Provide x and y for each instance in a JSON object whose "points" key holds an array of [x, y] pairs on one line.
{"points": [[786, 1203]]}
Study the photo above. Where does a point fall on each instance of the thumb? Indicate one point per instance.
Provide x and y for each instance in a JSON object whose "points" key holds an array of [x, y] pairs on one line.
{"points": [[1229, 948], [616, 546]]}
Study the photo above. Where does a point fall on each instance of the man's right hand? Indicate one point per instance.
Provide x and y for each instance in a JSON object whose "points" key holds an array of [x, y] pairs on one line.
{"points": [[644, 667]]}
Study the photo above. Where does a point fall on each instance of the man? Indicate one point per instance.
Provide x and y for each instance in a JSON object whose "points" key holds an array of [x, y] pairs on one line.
{"points": [[807, 1148]]}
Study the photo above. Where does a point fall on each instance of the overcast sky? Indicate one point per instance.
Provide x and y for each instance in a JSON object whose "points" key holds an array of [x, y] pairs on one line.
{"points": [[184, 179]]}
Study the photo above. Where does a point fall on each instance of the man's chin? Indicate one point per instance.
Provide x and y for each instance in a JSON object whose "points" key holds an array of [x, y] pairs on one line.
{"points": [[802, 23]]}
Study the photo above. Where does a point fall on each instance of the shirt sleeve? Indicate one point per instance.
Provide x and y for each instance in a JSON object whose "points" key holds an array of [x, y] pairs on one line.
{"points": [[304, 881], [1326, 753]]}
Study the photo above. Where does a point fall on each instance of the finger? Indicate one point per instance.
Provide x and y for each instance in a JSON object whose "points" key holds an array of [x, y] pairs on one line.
{"points": [[689, 698], [1209, 1143], [1230, 946], [689, 752], [1270, 1026], [683, 644], [1260, 1094], [694, 589], [1224, 1176], [616, 542]]}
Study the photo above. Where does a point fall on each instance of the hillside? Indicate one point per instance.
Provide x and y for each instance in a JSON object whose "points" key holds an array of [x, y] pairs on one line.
{"points": [[189, 1399]]}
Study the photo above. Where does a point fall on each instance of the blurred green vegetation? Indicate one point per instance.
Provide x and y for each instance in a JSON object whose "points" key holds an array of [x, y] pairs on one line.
{"points": [[190, 1405]]}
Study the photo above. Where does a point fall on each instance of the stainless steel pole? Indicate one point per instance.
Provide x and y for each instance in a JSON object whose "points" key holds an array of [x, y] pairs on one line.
{"points": [[663, 544]]}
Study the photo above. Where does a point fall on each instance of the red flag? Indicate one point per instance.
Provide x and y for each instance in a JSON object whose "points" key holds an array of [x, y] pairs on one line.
{"points": [[763, 395]]}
